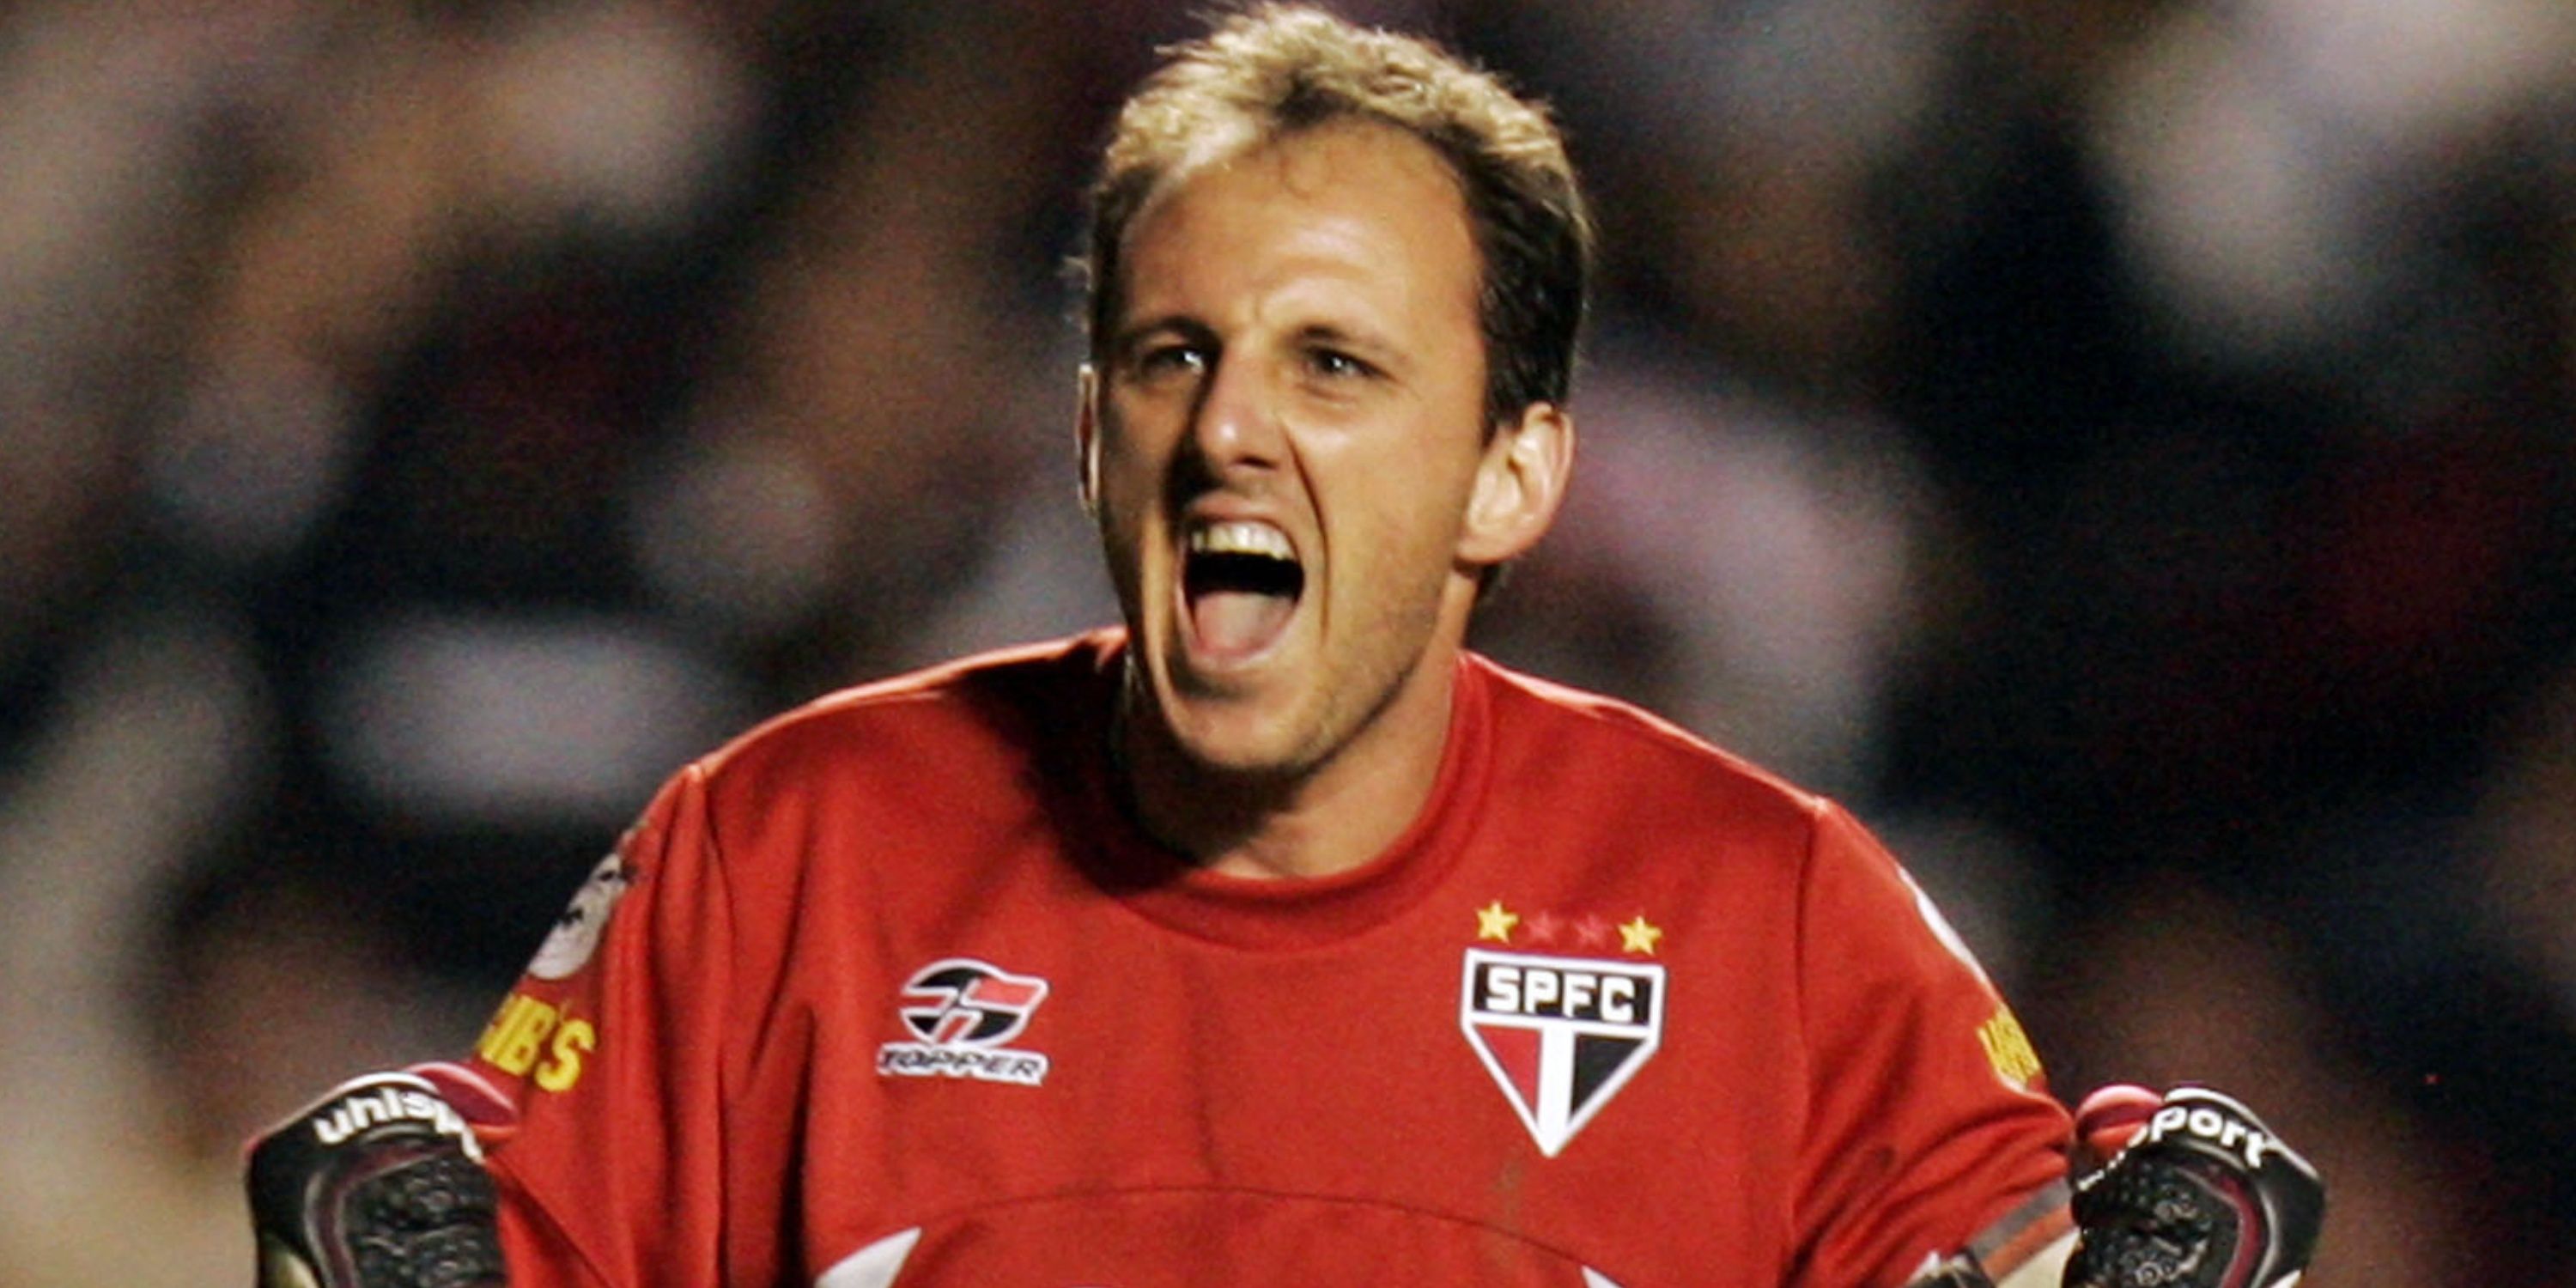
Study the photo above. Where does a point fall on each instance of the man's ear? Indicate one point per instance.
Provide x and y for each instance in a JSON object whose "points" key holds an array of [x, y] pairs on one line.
{"points": [[1519, 484], [1086, 434]]}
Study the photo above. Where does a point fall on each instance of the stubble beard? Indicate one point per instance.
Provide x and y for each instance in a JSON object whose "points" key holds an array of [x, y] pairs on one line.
{"points": [[1202, 805]]}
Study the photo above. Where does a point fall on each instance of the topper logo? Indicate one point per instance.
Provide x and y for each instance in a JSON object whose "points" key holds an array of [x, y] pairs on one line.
{"points": [[964, 1010], [2219, 1128]]}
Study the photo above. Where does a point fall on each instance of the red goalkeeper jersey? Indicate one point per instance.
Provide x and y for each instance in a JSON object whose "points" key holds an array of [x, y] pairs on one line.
{"points": [[890, 992]]}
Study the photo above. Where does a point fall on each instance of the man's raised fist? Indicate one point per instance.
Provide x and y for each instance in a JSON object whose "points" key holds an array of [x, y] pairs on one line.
{"points": [[2202, 1195], [379, 1184]]}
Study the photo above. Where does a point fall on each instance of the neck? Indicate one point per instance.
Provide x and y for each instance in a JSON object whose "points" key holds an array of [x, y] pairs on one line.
{"points": [[1310, 821]]}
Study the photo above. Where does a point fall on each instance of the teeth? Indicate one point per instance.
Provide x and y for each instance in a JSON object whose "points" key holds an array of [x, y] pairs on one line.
{"points": [[1241, 538]]}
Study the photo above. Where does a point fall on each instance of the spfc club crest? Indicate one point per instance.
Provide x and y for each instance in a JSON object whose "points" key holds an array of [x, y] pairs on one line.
{"points": [[1561, 1035]]}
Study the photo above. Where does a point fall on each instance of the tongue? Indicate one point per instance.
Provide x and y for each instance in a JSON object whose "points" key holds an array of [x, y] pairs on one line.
{"points": [[1234, 623]]}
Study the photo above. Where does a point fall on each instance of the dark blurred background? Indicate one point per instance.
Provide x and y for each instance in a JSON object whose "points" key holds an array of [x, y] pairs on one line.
{"points": [[2121, 447]]}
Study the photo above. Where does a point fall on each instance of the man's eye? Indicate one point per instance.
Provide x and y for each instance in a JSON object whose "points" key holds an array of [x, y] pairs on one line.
{"points": [[1172, 359], [1338, 365]]}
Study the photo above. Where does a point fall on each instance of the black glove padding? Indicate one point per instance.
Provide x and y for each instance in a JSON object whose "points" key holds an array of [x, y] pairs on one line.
{"points": [[2205, 1196], [379, 1184]]}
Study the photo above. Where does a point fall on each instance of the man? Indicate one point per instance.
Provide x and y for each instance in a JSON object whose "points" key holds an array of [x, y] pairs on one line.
{"points": [[1275, 938]]}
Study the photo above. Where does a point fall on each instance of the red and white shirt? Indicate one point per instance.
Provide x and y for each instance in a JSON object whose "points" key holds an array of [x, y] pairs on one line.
{"points": [[889, 993]]}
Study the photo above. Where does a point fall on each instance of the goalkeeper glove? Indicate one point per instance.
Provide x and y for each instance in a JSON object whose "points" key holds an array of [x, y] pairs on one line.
{"points": [[378, 1184], [2202, 1196]]}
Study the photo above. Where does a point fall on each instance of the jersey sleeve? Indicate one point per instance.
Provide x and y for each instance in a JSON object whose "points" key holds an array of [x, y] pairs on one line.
{"points": [[1929, 1121], [609, 1052]]}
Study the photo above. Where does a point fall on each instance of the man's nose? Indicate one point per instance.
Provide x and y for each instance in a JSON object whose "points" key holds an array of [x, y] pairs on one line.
{"points": [[1236, 424]]}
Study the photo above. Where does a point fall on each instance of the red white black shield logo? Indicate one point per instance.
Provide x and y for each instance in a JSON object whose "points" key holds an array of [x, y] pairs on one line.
{"points": [[1561, 1035]]}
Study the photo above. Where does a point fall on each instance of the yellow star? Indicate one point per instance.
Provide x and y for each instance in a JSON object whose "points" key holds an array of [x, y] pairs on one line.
{"points": [[1639, 936], [1492, 922]]}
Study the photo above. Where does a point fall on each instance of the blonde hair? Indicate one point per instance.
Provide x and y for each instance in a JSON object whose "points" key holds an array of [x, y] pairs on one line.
{"points": [[1275, 70]]}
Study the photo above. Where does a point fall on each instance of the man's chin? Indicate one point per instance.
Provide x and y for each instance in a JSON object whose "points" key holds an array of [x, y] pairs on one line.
{"points": [[1211, 738], [1244, 758]]}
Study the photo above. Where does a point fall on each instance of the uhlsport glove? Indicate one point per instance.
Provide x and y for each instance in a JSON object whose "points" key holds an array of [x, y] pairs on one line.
{"points": [[378, 1184], [2202, 1196]]}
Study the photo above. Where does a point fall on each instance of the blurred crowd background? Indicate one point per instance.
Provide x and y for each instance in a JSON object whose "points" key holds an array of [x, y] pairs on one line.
{"points": [[2121, 447]]}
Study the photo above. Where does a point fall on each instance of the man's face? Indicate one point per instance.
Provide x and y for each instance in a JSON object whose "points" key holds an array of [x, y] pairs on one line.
{"points": [[1283, 442]]}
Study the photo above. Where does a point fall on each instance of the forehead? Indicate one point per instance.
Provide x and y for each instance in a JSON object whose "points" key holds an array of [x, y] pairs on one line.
{"points": [[1353, 199]]}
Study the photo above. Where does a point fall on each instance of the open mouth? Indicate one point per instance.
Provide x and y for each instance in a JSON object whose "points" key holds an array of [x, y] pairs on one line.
{"points": [[1240, 581]]}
